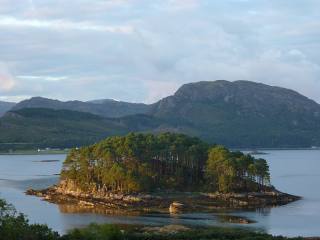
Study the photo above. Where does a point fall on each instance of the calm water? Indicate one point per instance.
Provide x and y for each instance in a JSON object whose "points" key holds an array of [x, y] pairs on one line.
{"points": [[293, 171]]}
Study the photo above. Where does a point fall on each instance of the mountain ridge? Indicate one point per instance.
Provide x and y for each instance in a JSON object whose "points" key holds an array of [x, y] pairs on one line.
{"points": [[5, 106], [236, 114], [221, 111], [105, 107]]}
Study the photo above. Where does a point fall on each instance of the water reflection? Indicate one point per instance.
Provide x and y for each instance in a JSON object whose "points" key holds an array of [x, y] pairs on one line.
{"points": [[77, 208], [263, 211]]}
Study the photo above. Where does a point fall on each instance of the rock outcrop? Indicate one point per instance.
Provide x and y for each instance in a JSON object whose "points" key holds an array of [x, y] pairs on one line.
{"points": [[176, 207], [172, 202]]}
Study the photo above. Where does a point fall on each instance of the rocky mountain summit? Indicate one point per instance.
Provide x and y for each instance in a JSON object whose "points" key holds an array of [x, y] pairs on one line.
{"points": [[242, 112]]}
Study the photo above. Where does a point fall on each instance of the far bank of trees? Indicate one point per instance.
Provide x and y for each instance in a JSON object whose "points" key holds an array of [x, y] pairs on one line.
{"points": [[147, 162]]}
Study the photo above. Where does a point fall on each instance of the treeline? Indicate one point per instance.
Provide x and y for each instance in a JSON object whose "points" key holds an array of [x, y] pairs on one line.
{"points": [[147, 162]]}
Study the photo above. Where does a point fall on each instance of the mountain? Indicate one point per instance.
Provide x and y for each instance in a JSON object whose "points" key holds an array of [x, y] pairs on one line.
{"points": [[243, 113], [105, 108], [102, 101], [42, 127], [37, 127], [236, 114], [5, 106]]}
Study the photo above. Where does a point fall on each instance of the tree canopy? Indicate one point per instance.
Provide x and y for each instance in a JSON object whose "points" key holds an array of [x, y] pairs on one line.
{"points": [[234, 171], [15, 226], [146, 162]]}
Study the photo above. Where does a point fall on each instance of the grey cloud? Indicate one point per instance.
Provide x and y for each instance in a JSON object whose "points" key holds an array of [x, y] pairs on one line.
{"points": [[166, 43]]}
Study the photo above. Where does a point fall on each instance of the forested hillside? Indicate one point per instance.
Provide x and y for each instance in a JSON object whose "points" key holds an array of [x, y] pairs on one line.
{"points": [[40, 128]]}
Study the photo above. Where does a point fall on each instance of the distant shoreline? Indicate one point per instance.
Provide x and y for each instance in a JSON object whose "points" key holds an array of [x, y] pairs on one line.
{"points": [[44, 152], [273, 149], [34, 152]]}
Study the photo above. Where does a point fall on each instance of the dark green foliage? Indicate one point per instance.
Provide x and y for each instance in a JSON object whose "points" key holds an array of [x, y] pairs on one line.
{"points": [[95, 232], [15, 226], [146, 162], [133, 233], [234, 171], [214, 233], [138, 162]]}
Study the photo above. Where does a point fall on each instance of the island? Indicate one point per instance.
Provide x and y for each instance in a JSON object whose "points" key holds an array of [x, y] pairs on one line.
{"points": [[167, 172]]}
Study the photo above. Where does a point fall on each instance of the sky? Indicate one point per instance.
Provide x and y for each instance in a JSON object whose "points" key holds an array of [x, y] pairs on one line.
{"points": [[143, 50]]}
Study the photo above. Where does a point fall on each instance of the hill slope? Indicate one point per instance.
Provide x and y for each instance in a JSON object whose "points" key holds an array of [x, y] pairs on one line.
{"points": [[33, 128], [243, 113], [40, 128], [5, 106], [105, 108], [237, 114]]}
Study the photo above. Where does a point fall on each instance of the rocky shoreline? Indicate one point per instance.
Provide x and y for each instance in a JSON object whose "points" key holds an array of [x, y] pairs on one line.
{"points": [[162, 202]]}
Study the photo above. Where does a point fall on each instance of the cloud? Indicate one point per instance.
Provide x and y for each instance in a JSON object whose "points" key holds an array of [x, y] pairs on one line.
{"points": [[159, 89], [183, 4], [43, 78], [7, 81], [62, 25], [141, 50], [18, 98]]}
